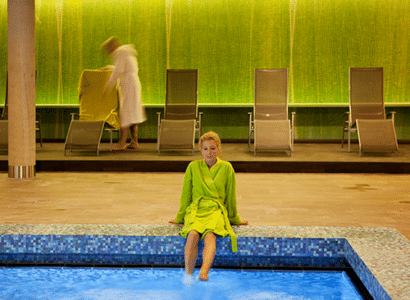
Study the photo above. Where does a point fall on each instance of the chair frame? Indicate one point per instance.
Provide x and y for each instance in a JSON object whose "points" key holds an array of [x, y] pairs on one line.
{"points": [[252, 114], [349, 125], [198, 115]]}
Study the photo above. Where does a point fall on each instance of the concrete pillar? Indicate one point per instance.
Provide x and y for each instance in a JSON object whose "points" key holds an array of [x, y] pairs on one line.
{"points": [[21, 88]]}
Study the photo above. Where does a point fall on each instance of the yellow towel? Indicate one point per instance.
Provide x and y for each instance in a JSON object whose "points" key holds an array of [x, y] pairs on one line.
{"points": [[93, 107]]}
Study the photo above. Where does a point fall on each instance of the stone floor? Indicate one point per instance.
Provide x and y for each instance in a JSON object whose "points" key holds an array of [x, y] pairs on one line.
{"points": [[371, 210], [264, 199]]}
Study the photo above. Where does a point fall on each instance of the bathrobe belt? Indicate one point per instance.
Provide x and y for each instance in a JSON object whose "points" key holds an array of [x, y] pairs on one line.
{"points": [[228, 227]]}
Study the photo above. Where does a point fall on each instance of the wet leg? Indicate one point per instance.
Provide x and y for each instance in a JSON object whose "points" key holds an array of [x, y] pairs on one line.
{"points": [[208, 255], [191, 251]]}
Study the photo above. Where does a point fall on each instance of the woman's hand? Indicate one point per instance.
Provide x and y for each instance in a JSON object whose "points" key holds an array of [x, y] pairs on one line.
{"points": [[107, 68], [244, 223], [172, 222]]}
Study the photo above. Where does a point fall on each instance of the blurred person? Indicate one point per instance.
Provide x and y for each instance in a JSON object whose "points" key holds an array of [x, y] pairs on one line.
{"points": [[132, 113]]}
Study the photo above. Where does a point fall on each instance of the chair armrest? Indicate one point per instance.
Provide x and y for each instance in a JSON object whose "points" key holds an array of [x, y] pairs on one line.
{"points": [[73, 116], [200, 124], [159, 121], [158, 129], [250, 114], [293, 116], [392, 114], [250, 129]]}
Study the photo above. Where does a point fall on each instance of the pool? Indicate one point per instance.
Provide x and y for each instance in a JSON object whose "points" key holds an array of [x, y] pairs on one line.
{"points": [[159, 283], [258, 247]]}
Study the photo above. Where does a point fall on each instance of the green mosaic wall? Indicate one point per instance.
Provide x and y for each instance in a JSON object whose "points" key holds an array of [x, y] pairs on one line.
{"points": [[226, 40]]}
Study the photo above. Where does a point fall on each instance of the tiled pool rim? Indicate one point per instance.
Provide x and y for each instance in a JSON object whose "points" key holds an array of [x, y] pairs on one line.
{"points": [[318, 247]]}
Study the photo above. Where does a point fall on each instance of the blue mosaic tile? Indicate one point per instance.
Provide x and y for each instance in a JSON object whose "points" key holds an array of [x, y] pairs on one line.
{"points": [[265, 252], [363, 272], [158, 246]]}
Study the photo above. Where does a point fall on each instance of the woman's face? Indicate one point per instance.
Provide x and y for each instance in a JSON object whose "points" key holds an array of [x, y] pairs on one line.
{"points": [[210, 152]]}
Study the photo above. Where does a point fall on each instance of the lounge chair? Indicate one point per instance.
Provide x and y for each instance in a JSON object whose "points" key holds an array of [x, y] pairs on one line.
{"points": [[93, 108], [377, 136], [367, 114], [84, 135], [176, 131], [271, 127]]}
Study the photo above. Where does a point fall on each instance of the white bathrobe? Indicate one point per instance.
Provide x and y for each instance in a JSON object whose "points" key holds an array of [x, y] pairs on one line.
{"points": [[126, 72]]}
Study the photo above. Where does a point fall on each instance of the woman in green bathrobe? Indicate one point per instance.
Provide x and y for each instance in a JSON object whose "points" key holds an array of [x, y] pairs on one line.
{"points": [[207, 205]]}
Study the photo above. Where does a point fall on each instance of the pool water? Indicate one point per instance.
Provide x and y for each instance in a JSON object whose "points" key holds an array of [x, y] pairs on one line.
{"points": [[167, 283]]}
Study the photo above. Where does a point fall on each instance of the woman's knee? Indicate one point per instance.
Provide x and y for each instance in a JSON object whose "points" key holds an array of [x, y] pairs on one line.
{"points": [[193, 233], [193, 236], [210, 236]]}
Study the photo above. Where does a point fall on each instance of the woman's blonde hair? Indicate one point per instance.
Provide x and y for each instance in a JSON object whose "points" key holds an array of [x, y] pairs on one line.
{"points": [[210, 135], [113, 42]]}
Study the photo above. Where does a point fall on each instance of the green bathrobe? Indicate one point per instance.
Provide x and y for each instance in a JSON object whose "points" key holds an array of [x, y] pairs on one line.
{"points": [[208, 200]]}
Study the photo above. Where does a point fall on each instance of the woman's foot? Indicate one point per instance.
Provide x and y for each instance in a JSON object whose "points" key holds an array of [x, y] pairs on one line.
{"points": [[119, 147], [203, 276], [133, 146], [189, 279]]}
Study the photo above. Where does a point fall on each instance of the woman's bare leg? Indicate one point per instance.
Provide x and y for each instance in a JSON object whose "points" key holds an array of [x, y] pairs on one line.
{"points": [[122, 141], [208, 255], [191, 251], [134, 137]]}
